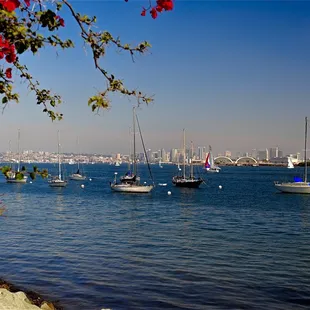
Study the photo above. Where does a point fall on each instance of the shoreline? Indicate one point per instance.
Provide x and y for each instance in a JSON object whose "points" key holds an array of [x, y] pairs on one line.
{"points": [[32, 298]]}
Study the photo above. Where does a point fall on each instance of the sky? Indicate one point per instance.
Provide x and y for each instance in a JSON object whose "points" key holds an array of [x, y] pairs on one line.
{"points": [[234, 74]]}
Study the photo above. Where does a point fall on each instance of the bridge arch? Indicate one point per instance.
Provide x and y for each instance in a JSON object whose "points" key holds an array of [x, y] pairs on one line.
{"points": [[218, 159], [246, 157]]}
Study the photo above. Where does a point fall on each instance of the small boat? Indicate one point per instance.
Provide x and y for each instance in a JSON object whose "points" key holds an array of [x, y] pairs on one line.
{"points": [[16, 176], [160, 165], [58, 181], [162, 184], [130, 183], [209, 164], [290, 164], [186, 181], [299, 186]]}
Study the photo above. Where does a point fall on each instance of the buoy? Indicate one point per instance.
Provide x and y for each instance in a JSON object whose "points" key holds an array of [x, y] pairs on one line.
{"points": [[82, 186], [30, 182], [90, 179], [169, 193], [220, 186]]}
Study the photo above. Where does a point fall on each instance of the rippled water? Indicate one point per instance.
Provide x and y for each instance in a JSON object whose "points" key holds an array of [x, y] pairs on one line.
{"points": [[244, 246]]}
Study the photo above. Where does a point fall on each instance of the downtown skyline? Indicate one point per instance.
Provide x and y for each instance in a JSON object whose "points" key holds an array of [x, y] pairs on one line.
{"points": [[239, 83]]}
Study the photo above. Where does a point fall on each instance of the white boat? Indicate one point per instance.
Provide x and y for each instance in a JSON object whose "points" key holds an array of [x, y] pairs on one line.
{"points": [[16, 176], [187, 181], [209, 164], [78, 176], [290, 164], [297, 187], [160, 165], [117, 164], [58, 181], [130, 183]]}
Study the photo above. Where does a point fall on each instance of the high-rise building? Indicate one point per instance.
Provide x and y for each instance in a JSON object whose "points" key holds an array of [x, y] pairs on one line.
{"points": [[263, 154], [274, 152], [174, 155]]}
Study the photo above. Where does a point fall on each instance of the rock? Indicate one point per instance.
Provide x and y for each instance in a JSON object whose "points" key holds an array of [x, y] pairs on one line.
{"points": [[47, 306], [15, 301]]}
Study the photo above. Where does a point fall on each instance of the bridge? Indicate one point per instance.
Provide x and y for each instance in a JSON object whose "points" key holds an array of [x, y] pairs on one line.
{"points": [[242, 161]]}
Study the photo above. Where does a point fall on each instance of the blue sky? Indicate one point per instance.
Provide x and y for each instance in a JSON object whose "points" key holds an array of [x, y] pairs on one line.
{"points": [[234, 74]]}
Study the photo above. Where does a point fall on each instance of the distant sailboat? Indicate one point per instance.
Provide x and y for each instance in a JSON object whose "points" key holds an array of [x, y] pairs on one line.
{"points": [[58, 181], [290, 164], [209, 164], [160, 165], [299, 186], [16, 176], [78, 176]]}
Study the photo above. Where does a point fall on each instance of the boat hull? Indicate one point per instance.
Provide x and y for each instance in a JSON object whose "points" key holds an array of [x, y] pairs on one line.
{"points": [[188, 183], [294, 187], [58, 183], [9, 180], [131, 188], [77, 177], [212, 170]]}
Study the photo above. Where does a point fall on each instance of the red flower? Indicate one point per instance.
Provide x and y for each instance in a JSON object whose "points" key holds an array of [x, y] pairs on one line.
{"points": [[10, 5], [143, 12], [167, 5], [27, 2], [8, 73], [61, 21], [153, 13]]}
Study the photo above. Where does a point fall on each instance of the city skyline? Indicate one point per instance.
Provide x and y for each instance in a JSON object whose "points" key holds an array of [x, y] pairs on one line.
{"points": [[239, 83]]}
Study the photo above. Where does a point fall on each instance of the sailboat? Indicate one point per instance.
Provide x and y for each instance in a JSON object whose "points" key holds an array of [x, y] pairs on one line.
{"points": [[58, 180], [290, 164], [186, 181], [130, 183], [160, 165], [77, 176], [209, 164], [16, 176], [297, 187]]}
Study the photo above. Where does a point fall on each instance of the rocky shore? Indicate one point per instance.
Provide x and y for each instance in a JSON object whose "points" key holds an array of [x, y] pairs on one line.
{"points": [[14, 298]]}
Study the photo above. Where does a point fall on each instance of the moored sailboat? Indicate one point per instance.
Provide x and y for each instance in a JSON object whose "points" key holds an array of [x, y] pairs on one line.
{"points": [[16, 176], [58, 180], [186, 181], [297, 187], [130, 182], [77, 176]]}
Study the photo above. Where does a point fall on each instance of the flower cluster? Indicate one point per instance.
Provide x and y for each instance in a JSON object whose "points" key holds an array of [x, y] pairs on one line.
{"points": [[161, 5], [7, 50]]}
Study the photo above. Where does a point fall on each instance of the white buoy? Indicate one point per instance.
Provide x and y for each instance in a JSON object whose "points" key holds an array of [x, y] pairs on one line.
{"points": [[82, 186], [169, 193], [90, 179], [220, 186], [30, 182]]}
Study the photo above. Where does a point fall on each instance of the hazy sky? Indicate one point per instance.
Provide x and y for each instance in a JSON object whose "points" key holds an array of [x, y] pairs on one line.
{"points": [[234, 74]]}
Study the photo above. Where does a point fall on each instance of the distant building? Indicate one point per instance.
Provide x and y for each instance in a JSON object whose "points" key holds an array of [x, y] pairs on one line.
{"points": [[228, 154], [274, 152], [263, 155]]}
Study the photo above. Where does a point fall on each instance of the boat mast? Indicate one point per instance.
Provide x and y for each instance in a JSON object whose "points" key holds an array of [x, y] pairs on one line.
{"points": [[59, 166], [184, 153], [78, 162], [18, 150], [192, 154], [306, 129], [134, 142], [129, 159]]}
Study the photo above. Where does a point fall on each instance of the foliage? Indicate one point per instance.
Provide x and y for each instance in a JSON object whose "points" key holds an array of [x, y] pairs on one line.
{"points": [[32, 175], [19, 176], [30, 25], [23, 168], [5, 170]]}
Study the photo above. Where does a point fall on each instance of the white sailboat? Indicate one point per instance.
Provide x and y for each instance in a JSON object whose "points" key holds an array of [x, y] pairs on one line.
{"points": [[209, 164], [78, 176], [131, 183], [16, 176], [187, 181], [290, 164], [297, 187], [58, 180]]}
